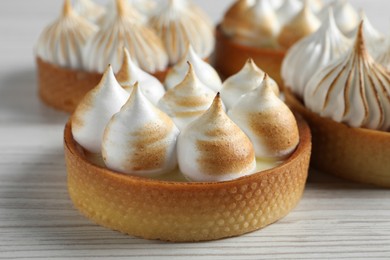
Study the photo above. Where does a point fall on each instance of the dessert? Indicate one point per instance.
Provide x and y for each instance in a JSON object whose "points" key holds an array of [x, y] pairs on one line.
{"points": [[188, 100], [267, 121], [125, 30], [347, 105], [255, 29], [244, 81], [317, 50], [205, 72], [234, 191], [145, 147], [299, 26], [129, 74], [72, 53], [347, 19], [95, 110], [179, 24], [214, 148]]}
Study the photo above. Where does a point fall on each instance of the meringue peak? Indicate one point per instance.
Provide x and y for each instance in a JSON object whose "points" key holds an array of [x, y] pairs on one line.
{"points": [[120, 8], [67, 8], [130, 73], [204, 71], [360, 43], [140, 139], [213, 147], [128, 68], [96, 109]]}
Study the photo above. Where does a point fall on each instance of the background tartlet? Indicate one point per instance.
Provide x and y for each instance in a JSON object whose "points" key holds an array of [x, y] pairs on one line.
{"points": [[68, 68], [347, 106]]}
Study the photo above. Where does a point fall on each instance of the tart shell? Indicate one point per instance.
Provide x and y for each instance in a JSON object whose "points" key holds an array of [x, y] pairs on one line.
{"points": [[63, 88], [178, 211], [357, 154], [229, 57]]}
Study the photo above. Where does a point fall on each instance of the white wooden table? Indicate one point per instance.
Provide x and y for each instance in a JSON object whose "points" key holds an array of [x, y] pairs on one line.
{"points": [[335, 219]]}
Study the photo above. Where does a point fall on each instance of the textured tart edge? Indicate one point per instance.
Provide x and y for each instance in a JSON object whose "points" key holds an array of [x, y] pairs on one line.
{"points": [[229, 57], [63, 88], [175, 211], [357, 154]]}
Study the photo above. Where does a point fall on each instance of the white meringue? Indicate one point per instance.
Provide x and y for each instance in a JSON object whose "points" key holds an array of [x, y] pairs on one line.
{"points": [[252, 24], [247, 79], [178, 25], [61, 43], [345, 15], [383, 56], [353, 89], [95, 110], [130, 73], [125, 30], [188, 100], [315, 5], [205, 72], [213, 148], [288, 10], [312, 53], [301, 25], [140, 139], [89, 9], [268, 122]]}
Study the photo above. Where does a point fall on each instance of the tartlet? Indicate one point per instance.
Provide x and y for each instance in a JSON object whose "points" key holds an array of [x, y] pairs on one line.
{"points": [[352, 140], [179, 211], [246, 167], [252, 29], [67, 72]]}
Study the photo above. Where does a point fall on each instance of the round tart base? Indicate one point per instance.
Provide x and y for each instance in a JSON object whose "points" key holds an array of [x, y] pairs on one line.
{"points": [[179, 211], [63, 88], [357, 154], [229, 57]]}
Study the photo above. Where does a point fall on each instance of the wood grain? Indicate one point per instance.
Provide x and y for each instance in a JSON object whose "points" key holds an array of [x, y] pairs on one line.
{"points": [[335, 219]]}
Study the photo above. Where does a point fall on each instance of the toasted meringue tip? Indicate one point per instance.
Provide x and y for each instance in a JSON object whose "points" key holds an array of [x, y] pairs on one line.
{"points": [[360, 45], [120, 7], [67, 8]]}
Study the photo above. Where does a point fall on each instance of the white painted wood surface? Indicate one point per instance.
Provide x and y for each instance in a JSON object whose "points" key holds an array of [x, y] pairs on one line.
{"points": [[335, 219]]}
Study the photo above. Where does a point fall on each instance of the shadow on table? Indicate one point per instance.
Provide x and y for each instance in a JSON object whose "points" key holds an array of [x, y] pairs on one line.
{"points": [[19, 101]]}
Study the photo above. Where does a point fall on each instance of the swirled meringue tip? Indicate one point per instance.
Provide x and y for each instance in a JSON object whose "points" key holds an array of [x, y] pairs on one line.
{"points": [[130, 73], [95, 110], [89, 9], [140, 139], [179, 23], [125, 30], [267, 121], [315, 51], [213, 148], [188, 100], [301, 25], [372, 36], [354, 90], [205, 72], [247, 79], [61, 43]]}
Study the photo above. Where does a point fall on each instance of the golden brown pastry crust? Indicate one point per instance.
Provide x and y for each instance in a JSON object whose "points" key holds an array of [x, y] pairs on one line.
{"points": [[229, 57], [357, 154], [176, 211], [63, 88]]}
